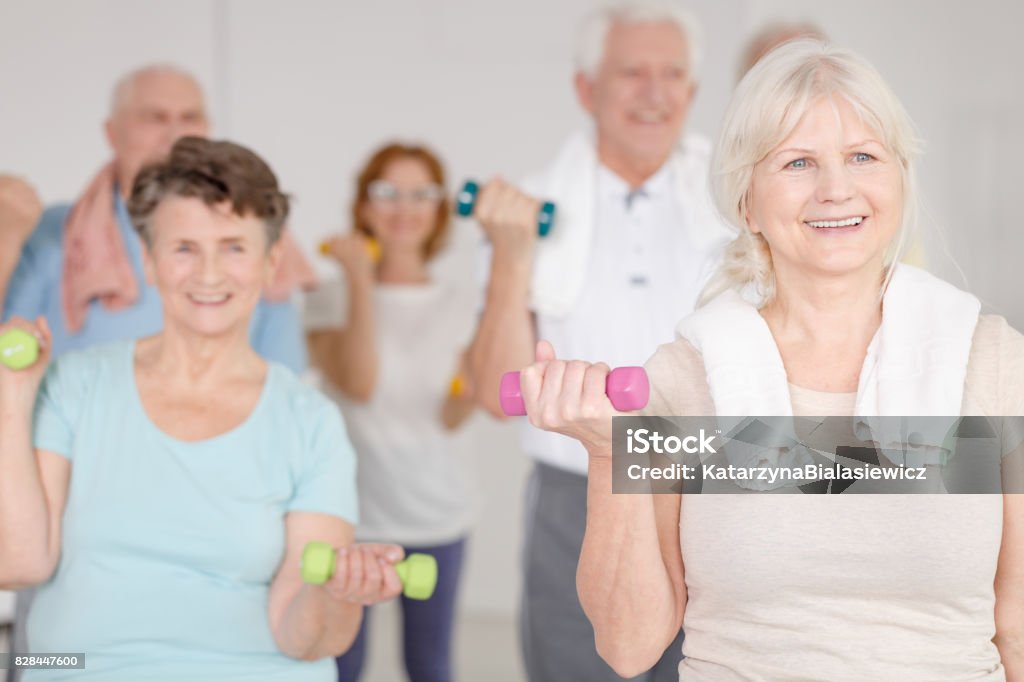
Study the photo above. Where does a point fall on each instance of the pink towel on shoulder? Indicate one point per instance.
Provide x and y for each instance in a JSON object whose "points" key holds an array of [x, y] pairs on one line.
{"points": [[96, 264]]}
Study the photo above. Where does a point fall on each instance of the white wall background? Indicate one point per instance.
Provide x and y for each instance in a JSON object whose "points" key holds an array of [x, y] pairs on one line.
{"points": [[314, 85]]}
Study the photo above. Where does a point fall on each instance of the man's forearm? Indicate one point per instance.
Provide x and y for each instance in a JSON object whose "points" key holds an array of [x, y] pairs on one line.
{"points": [[505, 337]]}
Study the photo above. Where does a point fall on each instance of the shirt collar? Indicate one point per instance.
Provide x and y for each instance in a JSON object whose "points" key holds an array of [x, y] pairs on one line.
{"points": [[614, 188]]}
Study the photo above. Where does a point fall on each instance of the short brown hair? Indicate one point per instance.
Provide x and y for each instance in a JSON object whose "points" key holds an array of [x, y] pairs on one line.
{"points": [[374, 169], [214, 171]]}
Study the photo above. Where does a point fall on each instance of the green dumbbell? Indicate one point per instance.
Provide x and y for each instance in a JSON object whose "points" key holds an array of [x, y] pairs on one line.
{"points": [[465, 202], [18, 349], [418, 572]]}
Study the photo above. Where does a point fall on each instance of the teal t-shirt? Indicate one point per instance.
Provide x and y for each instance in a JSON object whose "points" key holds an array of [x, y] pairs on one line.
{"points": [[169, 547]]}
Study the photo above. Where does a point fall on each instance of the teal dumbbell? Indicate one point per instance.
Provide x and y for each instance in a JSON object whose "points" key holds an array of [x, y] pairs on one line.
{"points": [[18, 349], [465, 202], [418, 572]]}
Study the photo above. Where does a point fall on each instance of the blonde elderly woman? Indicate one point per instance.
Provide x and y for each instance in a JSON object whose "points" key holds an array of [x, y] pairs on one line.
{"points": [[162, 489], [814, 168]]}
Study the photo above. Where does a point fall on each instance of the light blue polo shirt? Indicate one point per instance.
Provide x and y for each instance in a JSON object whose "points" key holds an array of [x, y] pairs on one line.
{"points": [[275, 331], [169, 547]]}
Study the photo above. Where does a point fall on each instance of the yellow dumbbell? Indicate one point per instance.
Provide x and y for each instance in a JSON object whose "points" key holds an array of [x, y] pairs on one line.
{"points": [[372, 249]]}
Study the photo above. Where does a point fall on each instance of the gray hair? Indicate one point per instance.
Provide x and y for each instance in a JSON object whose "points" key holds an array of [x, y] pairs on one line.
{"points": [[774, 34], [125, 84], [593, 32], [766, 107], [214, 172]]}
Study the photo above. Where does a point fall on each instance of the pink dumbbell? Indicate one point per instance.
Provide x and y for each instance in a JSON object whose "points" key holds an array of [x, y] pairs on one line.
{"points": [[626, 387]]}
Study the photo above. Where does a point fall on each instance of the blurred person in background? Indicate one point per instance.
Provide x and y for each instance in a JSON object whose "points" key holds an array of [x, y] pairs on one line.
{"points": [[80, 265], [773, 34], [389, 337], [634, 240]]}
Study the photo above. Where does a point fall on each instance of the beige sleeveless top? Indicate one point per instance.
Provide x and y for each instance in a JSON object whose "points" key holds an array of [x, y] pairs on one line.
{"points": [[842, 587]]}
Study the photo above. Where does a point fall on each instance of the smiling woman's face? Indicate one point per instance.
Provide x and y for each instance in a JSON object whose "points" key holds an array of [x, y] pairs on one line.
{"points": [[829, 198], [402, 208], [209, 265]]}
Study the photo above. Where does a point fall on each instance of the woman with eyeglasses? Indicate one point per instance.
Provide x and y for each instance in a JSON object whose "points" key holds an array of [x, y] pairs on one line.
{"points": [[388, 339]]}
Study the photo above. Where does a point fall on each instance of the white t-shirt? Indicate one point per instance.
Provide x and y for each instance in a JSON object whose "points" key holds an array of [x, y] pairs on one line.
{"points": [[413, 485], [643, 276]]}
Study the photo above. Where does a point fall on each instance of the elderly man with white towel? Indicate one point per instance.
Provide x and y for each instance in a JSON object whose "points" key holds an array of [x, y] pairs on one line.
{"points": [[812, 315], [634, 241]]}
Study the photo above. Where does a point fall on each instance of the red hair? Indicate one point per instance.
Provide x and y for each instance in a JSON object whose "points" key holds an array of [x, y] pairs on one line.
{"points": [[374, 169]]}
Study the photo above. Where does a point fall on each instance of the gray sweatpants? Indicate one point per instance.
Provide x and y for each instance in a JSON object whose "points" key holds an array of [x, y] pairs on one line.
{"points": [[557, 638]]}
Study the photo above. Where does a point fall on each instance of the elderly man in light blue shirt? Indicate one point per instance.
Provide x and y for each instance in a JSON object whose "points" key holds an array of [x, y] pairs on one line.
{"points": [[150, 109]]}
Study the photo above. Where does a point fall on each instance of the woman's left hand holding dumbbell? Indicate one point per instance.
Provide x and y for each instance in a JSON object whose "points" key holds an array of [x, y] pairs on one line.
{"points": [[18, 387], [352, 252], [365, 574]]}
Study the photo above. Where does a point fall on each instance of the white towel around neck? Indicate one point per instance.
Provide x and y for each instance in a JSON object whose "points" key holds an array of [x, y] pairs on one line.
{"points": [[915, 365], [560, 263]]}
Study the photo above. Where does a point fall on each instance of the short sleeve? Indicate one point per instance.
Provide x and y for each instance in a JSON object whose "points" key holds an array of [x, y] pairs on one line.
{"points": [[57, 405], [326, 307], [326, 483], [995, 370], [1012, 377], [276, 334], [1012, 372], [35, 274], [25, 292], [678, 383]]}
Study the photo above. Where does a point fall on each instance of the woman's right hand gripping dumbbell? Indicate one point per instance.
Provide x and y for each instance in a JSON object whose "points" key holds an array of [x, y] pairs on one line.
{"points": [[569, 397], [364, 573], [353, 252], [24, 355], [508, 217]]}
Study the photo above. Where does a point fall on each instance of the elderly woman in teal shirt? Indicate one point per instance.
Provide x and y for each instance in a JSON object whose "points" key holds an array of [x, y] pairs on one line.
{"points": [[162, 490]]}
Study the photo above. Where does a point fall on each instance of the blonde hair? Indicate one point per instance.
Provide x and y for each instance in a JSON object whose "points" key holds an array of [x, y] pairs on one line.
{"points": [[768, 104]]}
